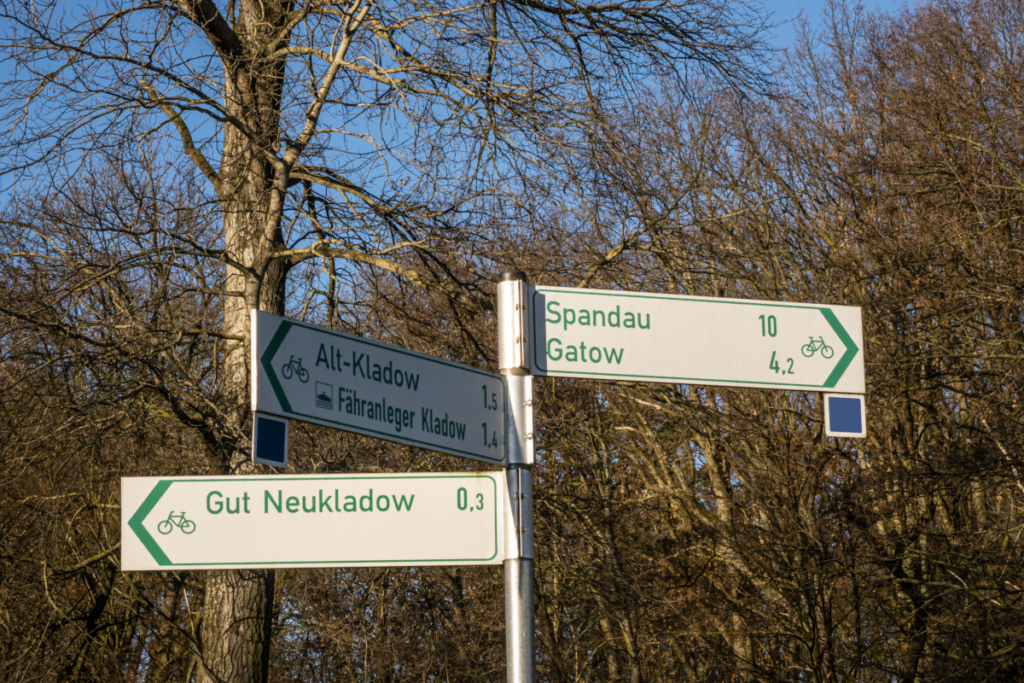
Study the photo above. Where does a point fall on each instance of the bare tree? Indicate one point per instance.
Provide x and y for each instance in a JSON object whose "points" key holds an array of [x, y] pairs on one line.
{"points": [[717, 534], [684, 532], [329, 134]]}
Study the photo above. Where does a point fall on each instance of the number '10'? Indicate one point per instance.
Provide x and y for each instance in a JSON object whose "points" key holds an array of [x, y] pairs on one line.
{"points": [[772, 326]]}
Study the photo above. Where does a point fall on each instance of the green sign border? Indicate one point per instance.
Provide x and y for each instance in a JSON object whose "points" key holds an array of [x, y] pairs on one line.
{"points": [[161, 487], [830, 318], [266, 360]]}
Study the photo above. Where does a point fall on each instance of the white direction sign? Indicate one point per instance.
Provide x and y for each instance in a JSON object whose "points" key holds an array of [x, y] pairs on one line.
{"points": [[348, 520], [696, 340], [315, 374]]}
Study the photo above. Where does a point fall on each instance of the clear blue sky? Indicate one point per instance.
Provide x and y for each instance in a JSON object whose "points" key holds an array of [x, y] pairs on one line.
{"points": [[788, 10]]}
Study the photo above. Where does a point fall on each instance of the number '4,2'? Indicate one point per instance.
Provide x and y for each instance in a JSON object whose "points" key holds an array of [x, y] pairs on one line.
{"points": [[774, 365]]}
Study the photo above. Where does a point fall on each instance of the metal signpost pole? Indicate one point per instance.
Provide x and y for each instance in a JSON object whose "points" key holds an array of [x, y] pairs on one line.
{"points": [[514, 363]]}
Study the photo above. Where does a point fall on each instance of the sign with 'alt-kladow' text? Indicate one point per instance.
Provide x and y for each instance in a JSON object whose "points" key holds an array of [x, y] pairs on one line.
{"points": [[339, 520], [696, 340], [311, 373]]}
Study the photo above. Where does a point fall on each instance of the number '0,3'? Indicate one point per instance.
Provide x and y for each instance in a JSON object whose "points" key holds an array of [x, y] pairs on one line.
{"points": [[462, 500], [769, 325]]}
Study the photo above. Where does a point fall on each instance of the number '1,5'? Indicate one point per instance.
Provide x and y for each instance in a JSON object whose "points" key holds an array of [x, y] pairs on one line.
{"points": [[771, 325]]}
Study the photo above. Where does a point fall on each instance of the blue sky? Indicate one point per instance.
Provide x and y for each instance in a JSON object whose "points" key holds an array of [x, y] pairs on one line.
{"points": [[788, 10]]}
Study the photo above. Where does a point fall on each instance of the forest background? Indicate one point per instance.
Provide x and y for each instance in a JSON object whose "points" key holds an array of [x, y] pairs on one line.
{"points": [[372, 167]]}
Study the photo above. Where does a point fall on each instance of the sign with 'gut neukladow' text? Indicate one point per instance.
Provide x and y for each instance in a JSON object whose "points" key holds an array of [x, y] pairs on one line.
{"points": [[335, 520]]}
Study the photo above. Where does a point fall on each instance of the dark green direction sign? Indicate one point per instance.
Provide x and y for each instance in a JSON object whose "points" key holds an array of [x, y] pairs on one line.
{"points": [[696, 340], [311, 521], [311, 373]]}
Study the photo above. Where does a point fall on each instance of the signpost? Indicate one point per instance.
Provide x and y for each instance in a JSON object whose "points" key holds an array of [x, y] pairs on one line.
{"points": [[514, 364], [311, 373], [350, 520], [640, 337]]}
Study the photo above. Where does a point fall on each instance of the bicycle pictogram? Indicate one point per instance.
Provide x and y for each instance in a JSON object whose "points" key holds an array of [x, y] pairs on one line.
{"points": [[294, 367], [173, 520], [814, 345]]}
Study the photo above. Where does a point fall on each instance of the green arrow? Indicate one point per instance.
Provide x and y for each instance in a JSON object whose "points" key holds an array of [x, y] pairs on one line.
{"points": [[851, 348], [266, 359], [140, 515]]}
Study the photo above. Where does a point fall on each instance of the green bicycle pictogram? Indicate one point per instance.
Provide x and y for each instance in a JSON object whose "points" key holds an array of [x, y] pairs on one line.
{"points": [[294, 366], [814, 345], [173, 520]]}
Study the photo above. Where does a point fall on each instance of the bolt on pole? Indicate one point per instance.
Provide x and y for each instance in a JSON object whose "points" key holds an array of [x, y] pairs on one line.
{"points": [[514, 363]]}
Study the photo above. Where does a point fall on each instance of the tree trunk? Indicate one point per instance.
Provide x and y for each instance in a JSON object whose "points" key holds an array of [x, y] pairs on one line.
{"points": [[236, 626], [238, 606]]}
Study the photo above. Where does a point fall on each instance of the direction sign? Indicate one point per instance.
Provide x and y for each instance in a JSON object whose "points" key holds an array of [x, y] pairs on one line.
{"points": [[696, 340], [348, 520], [311, 373]]}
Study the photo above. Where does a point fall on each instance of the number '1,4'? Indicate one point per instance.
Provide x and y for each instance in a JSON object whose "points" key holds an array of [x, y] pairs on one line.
{"points": [[490, 436]]}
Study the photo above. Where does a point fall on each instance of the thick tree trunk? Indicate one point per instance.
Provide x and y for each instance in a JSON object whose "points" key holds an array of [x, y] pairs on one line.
{"points": [[237, 616], [238, 606]]}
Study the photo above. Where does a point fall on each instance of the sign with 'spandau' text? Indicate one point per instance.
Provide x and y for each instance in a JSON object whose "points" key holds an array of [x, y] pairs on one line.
{"points": [[311, 373], [341, 520], [632, 336]]}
